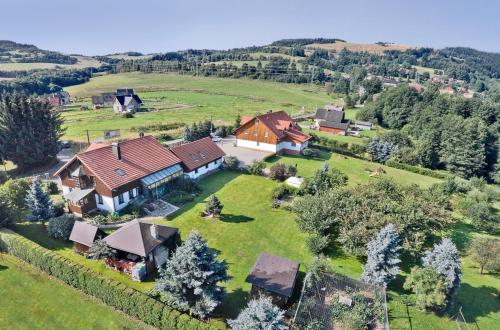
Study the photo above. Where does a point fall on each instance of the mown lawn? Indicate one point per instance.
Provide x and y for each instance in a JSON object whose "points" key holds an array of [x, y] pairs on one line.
{"points": [[202, 97], [250, 226], [32, 300]]}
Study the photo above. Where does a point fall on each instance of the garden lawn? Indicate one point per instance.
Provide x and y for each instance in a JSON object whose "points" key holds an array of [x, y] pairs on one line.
{"points": [[33, 300], [356, 169], [200, 98]]}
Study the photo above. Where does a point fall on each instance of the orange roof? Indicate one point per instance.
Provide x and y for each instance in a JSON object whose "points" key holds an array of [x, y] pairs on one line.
{"points": [[94, 146], [198, 153], [281, 124], [139, 158]]}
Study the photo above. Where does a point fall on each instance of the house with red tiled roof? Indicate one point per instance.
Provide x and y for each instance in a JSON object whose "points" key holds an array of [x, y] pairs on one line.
{"points": [[199, 157], [110, 177], [272, 131]]}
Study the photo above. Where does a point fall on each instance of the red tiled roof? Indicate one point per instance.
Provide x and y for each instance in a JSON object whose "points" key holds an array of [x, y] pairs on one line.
{"points": [[139, 157], [198, 153], [281, 124], [94, 146]]}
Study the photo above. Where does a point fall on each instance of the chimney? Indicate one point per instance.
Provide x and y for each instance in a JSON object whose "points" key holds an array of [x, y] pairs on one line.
{"points": [[154, 231], [116, 150], [141, 134]]}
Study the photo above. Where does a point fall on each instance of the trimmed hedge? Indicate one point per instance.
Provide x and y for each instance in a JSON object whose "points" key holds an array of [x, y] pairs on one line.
{"points": [[415, 169], [113, 293]]}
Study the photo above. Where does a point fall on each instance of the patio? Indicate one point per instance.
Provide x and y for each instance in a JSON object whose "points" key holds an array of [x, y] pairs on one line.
{"points": [[245, 155]]}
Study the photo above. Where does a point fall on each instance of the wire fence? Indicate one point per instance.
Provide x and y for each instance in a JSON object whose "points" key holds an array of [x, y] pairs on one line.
{"points": [[325, 297]]}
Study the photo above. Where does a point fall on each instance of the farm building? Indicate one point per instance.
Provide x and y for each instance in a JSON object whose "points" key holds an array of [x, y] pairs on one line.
{"points": [[331, 120], [199, 157], [103, 100], [363, 125], [83, 235], [142, 247], [110, 177], [273, 276], [272, 131], [127, 103]]}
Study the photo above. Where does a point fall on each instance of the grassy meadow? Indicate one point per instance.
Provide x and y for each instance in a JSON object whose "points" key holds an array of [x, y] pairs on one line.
{"points": [[33, 300], [186, 99]]}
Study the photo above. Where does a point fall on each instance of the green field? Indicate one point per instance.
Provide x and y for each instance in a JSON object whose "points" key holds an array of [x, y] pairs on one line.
{"points": [[200, 98], [83, 62], [32, 300]]}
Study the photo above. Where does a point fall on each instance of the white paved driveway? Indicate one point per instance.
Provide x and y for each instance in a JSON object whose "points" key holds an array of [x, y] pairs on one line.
{"points": [[245, 155]]}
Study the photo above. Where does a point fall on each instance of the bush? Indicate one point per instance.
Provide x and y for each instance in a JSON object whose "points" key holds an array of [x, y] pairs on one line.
{"points": [[58, 209], [231, 162], [61, 226], [186, 184], [257, 167], [128, 115], [416, 169], [282, 191], [318, 243], [278, 172], [111, 292], [179, 198], [51, 187], [310, 152]]}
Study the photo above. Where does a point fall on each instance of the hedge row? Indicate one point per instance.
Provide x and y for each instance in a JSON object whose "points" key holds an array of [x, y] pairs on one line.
{"points": [[415, 169], [113, 293], [337, 151]]}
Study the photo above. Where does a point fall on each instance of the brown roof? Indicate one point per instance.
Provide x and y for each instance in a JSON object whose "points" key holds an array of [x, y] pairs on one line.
{"points": [[198, 153], [281, 124], [139, 158], [274, 273], [83, 233], [137, 237]]}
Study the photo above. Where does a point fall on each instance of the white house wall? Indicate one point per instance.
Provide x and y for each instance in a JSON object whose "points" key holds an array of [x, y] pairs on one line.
{"points": [[203, 170], [111, 204], [107, 203], [288, 145], [255, 145]]}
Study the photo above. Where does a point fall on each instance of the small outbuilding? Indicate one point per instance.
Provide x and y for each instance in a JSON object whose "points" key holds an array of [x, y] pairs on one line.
{"points": [[363, 125], [273, 276], [83, 235]]}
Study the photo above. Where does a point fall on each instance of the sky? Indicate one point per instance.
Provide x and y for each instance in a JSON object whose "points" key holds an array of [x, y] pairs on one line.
{"points": [[99, 27]]}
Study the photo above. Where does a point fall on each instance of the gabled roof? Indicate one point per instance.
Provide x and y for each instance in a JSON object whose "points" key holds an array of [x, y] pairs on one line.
{"points": [[97, 99], [281, 124], [139, 157], [330, 115], [126, 99], [198, 153], [138, 237], [274, 273], [332, 124], [83, 233]]}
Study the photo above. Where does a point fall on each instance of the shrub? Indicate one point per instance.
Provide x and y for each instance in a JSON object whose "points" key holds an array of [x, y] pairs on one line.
{"points": [[310, 152], [318, 243], [231, 162], [51, 187], [278, 172], [179, 198], [58, 209], [14, 192], [128, 115], [415, 169], [111, 292], [186, 184], [282, 191], [213, 207], [257, 167], [61, 226]]}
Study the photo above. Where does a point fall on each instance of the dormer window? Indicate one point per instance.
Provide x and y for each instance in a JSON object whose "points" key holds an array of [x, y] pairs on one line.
{"points": [[120, 172]]}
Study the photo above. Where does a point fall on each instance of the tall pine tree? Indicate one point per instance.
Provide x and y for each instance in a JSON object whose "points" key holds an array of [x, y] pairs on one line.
{"points": [[190, 280], [444, 257], [383, 257], [39, 203], [29, 131]]}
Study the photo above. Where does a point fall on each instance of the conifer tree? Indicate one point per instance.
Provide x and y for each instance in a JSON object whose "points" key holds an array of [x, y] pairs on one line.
{"points": [[214, 206], [186, 134], [29, 131], [190, 279], [260, 314], [5, 214], [38, 203], [383, 257], [101, 250], [444, 257]]}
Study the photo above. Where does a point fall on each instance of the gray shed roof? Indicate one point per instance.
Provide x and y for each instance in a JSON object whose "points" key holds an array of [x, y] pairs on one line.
{"points": [[274, 273], [331, 124], [137, 237], [363, 123], [330, 115], [77, 194], [83, 233]]}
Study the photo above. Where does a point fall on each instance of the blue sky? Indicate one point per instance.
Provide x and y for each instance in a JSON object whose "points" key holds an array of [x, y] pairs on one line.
{"points": [[100, 27]]}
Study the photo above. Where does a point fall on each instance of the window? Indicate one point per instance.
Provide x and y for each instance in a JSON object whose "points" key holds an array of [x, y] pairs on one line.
{"points": [[293, 144], [206, 166], [120, 199], [99, 199], [245, 131], [131, 194], [255, 133], [196, 171], [266, 134], [258, 143]]}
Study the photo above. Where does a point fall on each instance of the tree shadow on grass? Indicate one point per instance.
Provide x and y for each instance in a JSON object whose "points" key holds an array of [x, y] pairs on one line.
{"points": [[3, 267], [461, 235], [231, 306], [477, 301], [235, 218]]}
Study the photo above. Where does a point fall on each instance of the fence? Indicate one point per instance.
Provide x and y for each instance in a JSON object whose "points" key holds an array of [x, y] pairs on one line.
{"points": [[319, 293]]}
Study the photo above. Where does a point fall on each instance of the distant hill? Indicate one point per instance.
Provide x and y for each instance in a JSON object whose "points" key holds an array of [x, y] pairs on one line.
{"points": [[377, 48], [24, 57]]}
